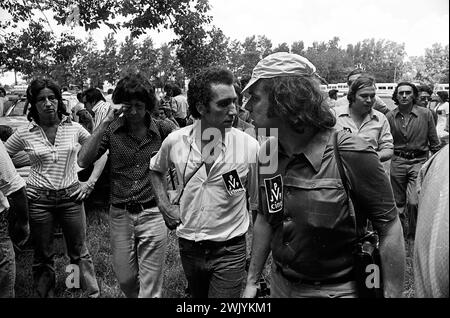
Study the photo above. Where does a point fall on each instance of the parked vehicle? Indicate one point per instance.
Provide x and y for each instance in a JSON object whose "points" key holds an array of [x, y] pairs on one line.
{"points": [[385, 89]]}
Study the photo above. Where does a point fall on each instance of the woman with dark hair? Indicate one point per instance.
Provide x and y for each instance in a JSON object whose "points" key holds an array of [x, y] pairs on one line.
{"points": [[361, 119], [442, 110], [53, 190]]}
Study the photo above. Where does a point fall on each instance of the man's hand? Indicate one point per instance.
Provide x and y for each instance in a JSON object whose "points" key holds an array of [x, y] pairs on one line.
{"points": [[250, 290], [82, 192], [113, 113], [171, 216]]}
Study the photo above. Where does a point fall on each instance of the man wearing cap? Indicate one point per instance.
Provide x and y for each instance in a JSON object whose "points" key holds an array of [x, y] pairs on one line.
{"points": [[216, 166], [378, 105], [305, 219]]}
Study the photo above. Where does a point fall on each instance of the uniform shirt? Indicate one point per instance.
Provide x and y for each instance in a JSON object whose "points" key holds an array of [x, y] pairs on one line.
{"points": [[418, 134], [374, 128], [213, 206], [377, 105], [52, 166], [129, 157], [307, 207], [100, 110], [10, 181]]}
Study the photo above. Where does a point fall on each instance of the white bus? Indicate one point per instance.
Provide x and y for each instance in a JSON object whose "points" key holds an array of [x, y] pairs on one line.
{"points": [[342, 89], [385, 89], [440, 87]]}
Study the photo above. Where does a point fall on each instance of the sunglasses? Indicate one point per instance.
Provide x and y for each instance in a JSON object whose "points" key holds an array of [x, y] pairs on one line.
{"points": [[425, 98]]}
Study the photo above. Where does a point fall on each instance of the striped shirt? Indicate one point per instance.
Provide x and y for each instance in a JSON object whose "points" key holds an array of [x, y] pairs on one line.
{"points": [[100, 110], [52, 166]]}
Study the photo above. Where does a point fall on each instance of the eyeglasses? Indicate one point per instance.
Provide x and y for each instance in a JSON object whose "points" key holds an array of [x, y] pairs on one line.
{"points": [[425, 98]]}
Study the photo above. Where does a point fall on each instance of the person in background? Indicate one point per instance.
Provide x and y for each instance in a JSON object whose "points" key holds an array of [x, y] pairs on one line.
{"points": [[242, 120], [216, 165], [442, 110], [78, 106], [94, 101], [54, 193], [332, 97], [3, 99], [353, 75], [361, 119], [108, 97], [305, 219], [414, 134], [431, 249], [179, 106], [137, 232], [13, 215], [425, 98]]}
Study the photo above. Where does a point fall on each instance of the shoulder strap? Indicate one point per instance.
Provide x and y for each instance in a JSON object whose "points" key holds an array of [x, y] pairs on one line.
{"points": [[344, 179]]}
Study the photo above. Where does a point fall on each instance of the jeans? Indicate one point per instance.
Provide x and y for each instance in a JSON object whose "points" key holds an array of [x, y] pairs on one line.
{"points": [[139, 245], [403, 180], [214, 271], [7, 260], [280, 287], [46, 207]]}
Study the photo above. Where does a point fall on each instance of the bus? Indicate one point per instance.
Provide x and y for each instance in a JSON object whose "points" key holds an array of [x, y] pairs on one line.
{"points": [[342, 89], [385, 89], [440, 87]]}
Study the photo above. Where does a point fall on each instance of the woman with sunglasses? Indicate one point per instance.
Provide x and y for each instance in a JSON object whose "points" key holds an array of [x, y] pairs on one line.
{"points": [[424, 100], [53, 190]]}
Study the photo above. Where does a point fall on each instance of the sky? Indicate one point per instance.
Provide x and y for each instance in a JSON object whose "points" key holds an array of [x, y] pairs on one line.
{"points": [[417, 23]]}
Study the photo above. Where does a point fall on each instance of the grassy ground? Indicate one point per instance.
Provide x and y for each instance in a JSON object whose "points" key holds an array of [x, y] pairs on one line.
{"points": [[99, 247]]}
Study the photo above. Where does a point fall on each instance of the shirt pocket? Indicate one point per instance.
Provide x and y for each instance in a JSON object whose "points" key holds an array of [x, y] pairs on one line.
{"points": [[318, 204]]}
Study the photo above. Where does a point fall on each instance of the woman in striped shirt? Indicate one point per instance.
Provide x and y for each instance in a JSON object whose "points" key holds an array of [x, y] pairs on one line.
{"points": [[51, 141]]}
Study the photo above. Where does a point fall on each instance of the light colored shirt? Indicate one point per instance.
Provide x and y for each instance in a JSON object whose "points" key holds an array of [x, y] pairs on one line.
{"points": [[10, 181], [100, 110], [213, 206], [442, 112], [374, 128], [52, 166], [180, 106]]}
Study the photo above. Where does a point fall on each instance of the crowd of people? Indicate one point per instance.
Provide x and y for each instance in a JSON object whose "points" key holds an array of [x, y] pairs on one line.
{"points": [[261, 153]]}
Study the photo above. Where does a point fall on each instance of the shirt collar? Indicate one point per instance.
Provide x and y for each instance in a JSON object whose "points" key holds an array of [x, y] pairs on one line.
{"points": [[315, 149], [65, 120], [413, 111], [195, 132], [121, 124], [345, 111]]}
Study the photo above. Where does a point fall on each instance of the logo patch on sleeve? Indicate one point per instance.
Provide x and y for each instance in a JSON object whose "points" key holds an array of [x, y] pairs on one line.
{"points": [[274, 193], [232, 182]]}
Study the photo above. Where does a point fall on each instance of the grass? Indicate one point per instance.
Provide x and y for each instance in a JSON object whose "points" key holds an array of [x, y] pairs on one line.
{"points": [[174, 285]]}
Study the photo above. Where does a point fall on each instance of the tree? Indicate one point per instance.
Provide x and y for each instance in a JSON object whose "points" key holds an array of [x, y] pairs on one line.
{"points": [[437, 63], [65, 50], [282, 47], [298, 48], [110, 59]]}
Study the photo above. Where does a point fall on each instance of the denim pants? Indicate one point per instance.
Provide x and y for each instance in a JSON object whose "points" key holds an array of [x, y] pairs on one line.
{"points": [[139, 245], [214, 271], [403, 180], [46, 207], [280, 287], [7, 260]]}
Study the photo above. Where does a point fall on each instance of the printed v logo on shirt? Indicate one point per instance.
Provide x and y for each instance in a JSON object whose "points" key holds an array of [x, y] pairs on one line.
{"points": [[232, 182]]}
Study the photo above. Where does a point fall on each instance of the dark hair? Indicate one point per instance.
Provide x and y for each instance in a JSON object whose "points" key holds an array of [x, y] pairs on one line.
{"points": [[414, 88], [3, 90], [443, 95], [80, 96], [93, 95], [424, 88], [110, 91], [244, 80], [361, 82], [299, 101], [355, 72], [332, 92], [135, 86], [176, 90], [33, 91], [199, 89], [5, 132]]}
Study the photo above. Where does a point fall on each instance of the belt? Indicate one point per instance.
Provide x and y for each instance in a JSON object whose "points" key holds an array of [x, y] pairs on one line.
{"points": [[49, 192], [214, 244], [134, 207], [330, 281], [410, 154]]}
